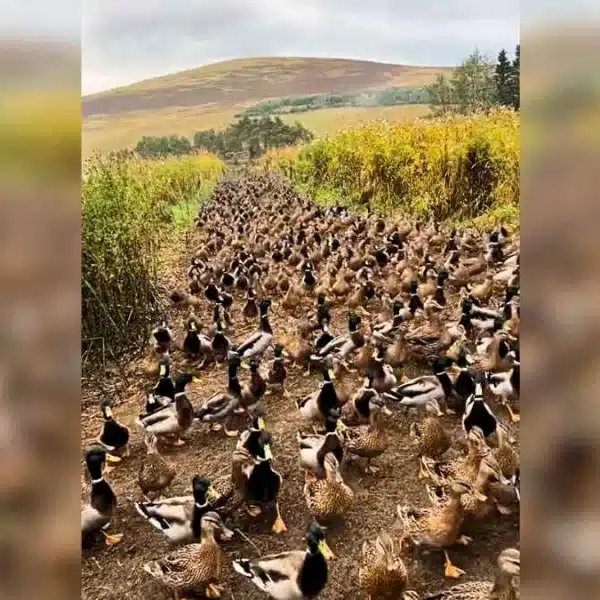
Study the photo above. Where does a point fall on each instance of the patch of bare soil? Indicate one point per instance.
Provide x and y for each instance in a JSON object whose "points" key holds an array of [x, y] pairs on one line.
{"points": [[115, 572]]}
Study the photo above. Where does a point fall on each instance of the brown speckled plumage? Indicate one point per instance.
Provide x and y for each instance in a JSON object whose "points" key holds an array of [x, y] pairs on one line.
{"points": [[382, 574]]}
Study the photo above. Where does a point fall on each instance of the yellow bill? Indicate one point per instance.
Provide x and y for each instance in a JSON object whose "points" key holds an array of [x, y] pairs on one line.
{"points": [[113, 459], [162, 370], [108, 412], [260, 422], [212, 494], [325, 550]]}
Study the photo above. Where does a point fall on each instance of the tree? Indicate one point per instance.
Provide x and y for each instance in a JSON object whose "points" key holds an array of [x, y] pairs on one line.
{"points": [[503, 79], [441, 95], [473, 84], [515, 80]]}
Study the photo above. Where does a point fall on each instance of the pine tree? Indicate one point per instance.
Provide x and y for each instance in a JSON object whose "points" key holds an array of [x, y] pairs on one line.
{"points": [[503, 80]]}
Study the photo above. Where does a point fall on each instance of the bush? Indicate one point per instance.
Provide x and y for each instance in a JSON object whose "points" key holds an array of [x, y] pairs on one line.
{"points": [[130, 211], [458, 168]]}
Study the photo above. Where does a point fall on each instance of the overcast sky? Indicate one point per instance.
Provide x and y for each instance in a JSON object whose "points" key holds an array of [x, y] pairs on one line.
{"points": [[126, 41]]}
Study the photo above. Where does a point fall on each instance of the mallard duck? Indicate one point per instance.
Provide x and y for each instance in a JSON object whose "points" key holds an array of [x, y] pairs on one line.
{"points": [[261, 485], [258, 342], [343, 345], [166, 388], [96, 515], [427, 389], [220, 343], [194, 565], [252, 392], [314, 448], [174, 419], [250, 310], [113, 436], [508, 566], [294, 575], [162, 338], [155, 473], [382, 574], [195, 344], [324, 338], [505, 455], [430, 437], [369, 441], [437, 527], [219, 408], [277, 371], [316, 406], [385, 331], [464, 468], [383, 375], [479, 414], [331, 497], [508, 387], [178, 518], [506, 497], [358, 409]]}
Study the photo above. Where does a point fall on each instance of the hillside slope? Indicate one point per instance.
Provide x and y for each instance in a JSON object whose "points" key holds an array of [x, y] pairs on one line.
{"points": [[244, 81]]}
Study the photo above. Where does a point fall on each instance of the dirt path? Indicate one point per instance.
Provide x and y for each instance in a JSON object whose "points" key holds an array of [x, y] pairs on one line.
{"points": [[116, 572]]}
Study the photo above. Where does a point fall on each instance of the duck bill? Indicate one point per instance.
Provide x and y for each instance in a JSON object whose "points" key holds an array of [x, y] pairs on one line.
{"points": [[326, 550], [163, 370], [212, 494], [340, 427], [226, 534], [386, 411], [260, 422]]}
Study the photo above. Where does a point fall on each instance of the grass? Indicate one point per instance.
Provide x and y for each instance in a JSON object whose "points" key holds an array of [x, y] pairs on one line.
{"points": [[463, 169], [114, 133], [133, 211]]}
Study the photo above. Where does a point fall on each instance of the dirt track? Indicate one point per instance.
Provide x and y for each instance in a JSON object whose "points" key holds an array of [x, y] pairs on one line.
{"points": [[116, 572]]}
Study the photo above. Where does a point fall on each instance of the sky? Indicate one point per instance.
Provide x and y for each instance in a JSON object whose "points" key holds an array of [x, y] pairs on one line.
{"points": [[124, 42]]}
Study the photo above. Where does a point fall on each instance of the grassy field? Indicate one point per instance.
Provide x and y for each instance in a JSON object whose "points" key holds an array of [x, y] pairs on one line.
{"points": [[458, 168], [114, 133]]}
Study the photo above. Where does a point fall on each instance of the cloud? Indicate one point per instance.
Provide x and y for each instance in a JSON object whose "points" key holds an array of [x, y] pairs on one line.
{"points": [[126, 42]]}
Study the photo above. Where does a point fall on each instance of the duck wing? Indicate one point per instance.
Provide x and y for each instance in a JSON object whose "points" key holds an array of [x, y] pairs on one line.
{"points": [[333, 345], [416, 387], [217, 407]]}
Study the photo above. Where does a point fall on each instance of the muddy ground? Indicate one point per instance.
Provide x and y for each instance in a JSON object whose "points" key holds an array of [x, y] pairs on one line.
{"points": [[115, 572]]}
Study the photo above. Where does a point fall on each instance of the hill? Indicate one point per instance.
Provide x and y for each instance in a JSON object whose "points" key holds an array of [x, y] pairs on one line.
{"points": [[211, 96], [243, 81]]}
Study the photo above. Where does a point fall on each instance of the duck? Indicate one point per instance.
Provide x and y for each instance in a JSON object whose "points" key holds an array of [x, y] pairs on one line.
{"points": [[507, 386], [155, 473], [430, 438], [343, 345], [479, 414], [314, 448], [220, 343], [166, 388], [357, 410], [178, 518], [195, 565], [195, 344], [508, 566], [277, 371], [383, 375], [382, 573], [330, 497], [113, 436], [174, 419], [506, 456], [427, 389], [463, 467], [97, 514], [369, 441], [162, 338], [292, 575], [317, 405], [219, 408], [437, 527], [262, 484], [250, 310], [258, 342]]}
